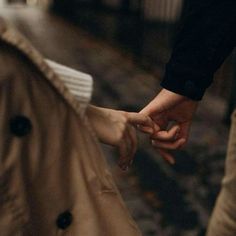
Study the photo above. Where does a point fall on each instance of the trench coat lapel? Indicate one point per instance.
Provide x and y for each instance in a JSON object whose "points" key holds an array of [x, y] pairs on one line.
{"points": [[11, 36]]}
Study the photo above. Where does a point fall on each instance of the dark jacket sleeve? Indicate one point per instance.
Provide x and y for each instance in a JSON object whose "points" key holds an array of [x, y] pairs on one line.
{"points": [[206, 37]]}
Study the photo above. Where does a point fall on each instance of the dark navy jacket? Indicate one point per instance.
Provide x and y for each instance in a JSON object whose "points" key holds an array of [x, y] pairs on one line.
{"points": [[206, 37]]}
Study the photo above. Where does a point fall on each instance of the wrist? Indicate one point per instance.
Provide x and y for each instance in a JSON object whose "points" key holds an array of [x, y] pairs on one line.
{"points": [[167, 99]]}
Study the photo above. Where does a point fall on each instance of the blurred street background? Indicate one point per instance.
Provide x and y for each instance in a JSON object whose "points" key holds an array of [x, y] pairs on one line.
{"points": [[124, 45]]}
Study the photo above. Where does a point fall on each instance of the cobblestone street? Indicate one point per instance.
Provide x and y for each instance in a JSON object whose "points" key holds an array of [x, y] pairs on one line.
{"points": [[164, 200]]}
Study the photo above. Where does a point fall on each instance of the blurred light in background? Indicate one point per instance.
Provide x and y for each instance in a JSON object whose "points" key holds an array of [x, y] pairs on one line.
{"points": [[163, 10], [32, 2], [42, 3]]}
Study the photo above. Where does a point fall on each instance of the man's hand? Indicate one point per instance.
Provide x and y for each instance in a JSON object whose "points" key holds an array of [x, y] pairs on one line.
{"points": [[173, 113], [116, 128]]}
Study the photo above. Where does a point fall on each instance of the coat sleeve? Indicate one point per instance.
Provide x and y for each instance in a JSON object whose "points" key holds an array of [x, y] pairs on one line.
{"points": [[79, 84], [206, 37]]}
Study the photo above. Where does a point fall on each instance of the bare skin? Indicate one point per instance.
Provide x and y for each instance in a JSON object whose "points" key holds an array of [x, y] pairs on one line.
{"points": [[173, 113], [117, 128]]}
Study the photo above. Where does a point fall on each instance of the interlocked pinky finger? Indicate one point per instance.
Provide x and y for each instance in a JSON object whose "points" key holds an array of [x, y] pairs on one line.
{"points": [[167, 135]]}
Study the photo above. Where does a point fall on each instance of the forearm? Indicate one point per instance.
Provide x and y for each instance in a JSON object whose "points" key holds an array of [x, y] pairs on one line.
{"points": [[91, 111], [96, 118]]}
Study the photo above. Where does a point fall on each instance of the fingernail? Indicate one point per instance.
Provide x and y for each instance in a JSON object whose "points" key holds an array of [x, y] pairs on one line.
{"points": [[153, 142], [182, 143], [176, 135], [156, 128], [170, 160], [125, 168], [121, 165]]}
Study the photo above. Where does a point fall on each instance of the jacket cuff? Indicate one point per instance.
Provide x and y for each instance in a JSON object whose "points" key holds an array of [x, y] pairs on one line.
{"points": [[186, 82]]}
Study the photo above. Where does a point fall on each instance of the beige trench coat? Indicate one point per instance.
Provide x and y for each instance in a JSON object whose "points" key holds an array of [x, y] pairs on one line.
{"points": [[53, 176]]}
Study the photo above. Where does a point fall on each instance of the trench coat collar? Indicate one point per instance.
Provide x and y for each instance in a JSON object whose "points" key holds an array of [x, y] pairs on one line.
{"points": [[12, 37]]}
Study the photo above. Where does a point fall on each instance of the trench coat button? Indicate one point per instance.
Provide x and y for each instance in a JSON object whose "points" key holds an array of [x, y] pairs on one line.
{"points": [[20, 126], [64, 220]]}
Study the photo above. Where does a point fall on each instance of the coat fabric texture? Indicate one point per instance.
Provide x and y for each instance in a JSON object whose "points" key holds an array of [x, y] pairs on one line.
{"points": [[54, 179]]}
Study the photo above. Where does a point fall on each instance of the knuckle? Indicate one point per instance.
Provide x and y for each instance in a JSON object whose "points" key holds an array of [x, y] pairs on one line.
{"points": [[125, 115], [122, 127], [119, 137], [183, 145]]}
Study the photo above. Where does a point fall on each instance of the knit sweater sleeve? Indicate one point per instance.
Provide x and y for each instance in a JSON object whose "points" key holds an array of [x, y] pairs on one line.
{"points": [[79, 84]]}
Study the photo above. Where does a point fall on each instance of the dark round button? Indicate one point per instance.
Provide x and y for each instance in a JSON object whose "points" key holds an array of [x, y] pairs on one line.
{"points": [[20, 126], [64, 220]]}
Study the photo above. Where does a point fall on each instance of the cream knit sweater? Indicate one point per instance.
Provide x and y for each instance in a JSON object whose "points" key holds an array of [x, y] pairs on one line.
{"points": [[78, 83]]}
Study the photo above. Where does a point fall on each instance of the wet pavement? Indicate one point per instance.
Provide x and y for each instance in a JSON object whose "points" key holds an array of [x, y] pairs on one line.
{"points": [[164, 200]]}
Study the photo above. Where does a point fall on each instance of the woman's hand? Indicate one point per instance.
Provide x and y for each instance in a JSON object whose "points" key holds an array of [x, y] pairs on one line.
{"points": [[116, 128]]}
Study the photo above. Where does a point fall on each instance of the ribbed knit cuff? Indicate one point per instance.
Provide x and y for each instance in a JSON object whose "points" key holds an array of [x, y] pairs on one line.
{"points": [[78, 83]]}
